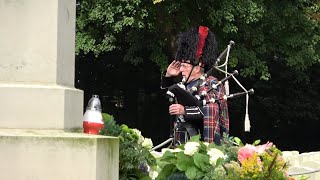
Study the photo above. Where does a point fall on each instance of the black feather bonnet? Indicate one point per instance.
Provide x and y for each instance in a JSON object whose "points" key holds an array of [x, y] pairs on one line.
{"points": [[197, 46]]}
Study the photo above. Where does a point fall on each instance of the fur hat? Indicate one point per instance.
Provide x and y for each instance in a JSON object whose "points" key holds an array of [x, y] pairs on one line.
{"points": [[197, 46]]}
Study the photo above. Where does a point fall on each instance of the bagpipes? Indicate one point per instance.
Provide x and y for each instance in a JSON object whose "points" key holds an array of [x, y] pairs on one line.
{"points": [[187, 98]]}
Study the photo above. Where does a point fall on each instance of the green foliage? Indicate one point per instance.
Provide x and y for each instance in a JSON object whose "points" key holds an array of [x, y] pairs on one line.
{"points": [[134, 159], [198, 160], [113, 128], [145, 31], [195, 166], [230, 146], [101, 24]]}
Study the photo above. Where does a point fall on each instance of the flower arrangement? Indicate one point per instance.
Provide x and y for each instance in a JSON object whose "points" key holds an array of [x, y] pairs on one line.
{"points": [[232, 160], [195, 159], [135, 158]]}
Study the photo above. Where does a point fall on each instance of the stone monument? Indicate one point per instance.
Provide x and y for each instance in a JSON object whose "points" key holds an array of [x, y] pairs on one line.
{"points": [[41, 111]]}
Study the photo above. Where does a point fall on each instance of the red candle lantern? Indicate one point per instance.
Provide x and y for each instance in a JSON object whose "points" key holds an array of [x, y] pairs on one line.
{"points": [[92, 119]]}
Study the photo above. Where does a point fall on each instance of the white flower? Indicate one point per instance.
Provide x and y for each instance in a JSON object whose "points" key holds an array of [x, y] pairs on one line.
{"points": [[190, 148], [141, 138], [147, 143], [153, 174], [215, 154], [206, 143]]}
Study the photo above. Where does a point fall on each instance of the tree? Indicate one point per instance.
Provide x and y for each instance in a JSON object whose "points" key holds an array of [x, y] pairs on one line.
{"points": [[263, 30]]}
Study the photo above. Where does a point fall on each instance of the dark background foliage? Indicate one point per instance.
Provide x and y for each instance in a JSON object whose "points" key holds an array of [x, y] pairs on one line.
{"points": [[123, 47]]}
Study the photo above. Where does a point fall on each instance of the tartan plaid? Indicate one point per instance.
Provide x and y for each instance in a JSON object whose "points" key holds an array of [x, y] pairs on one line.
{"points": [[216, 116]]}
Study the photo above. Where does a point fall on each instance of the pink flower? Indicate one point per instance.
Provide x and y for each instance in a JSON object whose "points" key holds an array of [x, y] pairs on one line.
{"points": [[264, 147], [246, 151]]}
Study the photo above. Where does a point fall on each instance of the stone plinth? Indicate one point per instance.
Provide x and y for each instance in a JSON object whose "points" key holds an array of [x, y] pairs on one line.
{"points": [[52, 155], [33, 106], [38, 101]]}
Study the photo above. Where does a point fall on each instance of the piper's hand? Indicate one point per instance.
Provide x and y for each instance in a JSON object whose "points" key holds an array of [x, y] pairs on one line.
{"points": [[173, 69], [176, 109]]}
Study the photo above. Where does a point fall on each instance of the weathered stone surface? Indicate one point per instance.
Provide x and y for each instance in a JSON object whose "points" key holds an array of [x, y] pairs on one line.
{"points": [[52, 155]]}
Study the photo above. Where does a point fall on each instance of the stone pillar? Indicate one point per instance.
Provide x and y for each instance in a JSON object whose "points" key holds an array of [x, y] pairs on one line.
{"points": [[37, 41], [39, 106]]}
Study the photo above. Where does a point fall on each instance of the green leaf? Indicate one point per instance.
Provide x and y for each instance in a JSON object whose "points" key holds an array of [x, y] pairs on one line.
{"points": [[215, 146], [110, 126], [238, 141], [145, 178], [191, 172], [202, 148], [107, 117], [256, 142], [219, 161], [177, 176], [168, 157], [201, 161], [184, 161], [166, 171], [195, 138]]}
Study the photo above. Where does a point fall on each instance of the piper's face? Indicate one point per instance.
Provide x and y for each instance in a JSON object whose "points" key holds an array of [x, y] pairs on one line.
{"points": [[185, 69]]}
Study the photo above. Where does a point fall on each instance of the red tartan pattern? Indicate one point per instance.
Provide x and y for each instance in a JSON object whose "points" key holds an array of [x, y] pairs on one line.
{"points": [[216, 116], [216, 119]]}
